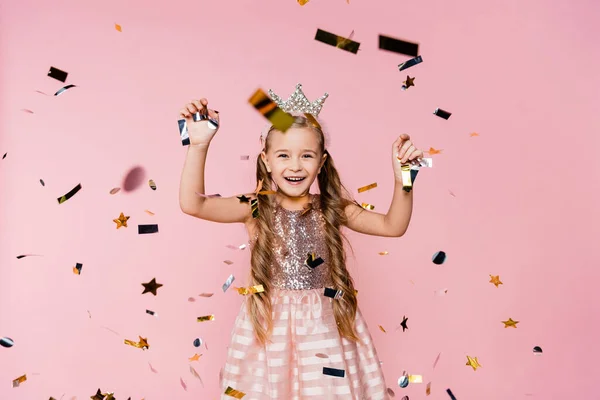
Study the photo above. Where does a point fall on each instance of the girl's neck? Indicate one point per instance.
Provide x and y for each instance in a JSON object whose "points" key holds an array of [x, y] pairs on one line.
{"points": [[293, 203]]}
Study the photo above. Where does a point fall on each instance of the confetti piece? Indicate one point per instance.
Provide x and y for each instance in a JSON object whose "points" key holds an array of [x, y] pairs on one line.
{"points": [[63, 89], [398, 46], [312, 261], [254, 208], [240, 247], [228, 262], [234, 393], [90, 314], [6, 342], [77, 268], [267, 107], [451, 194], [98, 395], [118, 27], [334, 294], [151, 287], [42, 182], [152, 184], [381, 328], [206, 294], [121, 221], [450, 394], [151, 228], [368, 187], [472, 362], [302, 2], [228, 283], [428, 389], [408, 82], [442, 114], [441, 292], [195, 357], [439, 258], [536, 350], [142, 344], [474, 134], [58, 74], [149, 212], [251, 290], [183, 385], [195, 373], [410, 63], [27, 255], [150, 312], [383, 253], [367, 206], [337, 41], [18, 381], [510, 323], [244, 158], [206, 318], [403, 380], [197, 342], [436, 360], [322, 355], [115, 190], [403, 323], [108, 329], [433, 151], [71, 193], [390, 392], [27, 110], [191, 299], [152, 369], [415, 379], [334, 372], [495, 280]]}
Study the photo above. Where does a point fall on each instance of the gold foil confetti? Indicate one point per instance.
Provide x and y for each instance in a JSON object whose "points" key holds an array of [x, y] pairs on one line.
{"points": [[408, 82], [302, 2], [267, 107], [195, 357], [495, 280], [251, 290], [368, 187], [474, 134], [121, 221], [367, 206], [142, 344], [77, 268], [118, 27], [71, 193], [206, 318], [433, 151], [234, 393], [152, 184], [381, 328], [428, 389], [149, 212], [472, 362], [337, 41], [254, 208], [383, 253], [18, 381], [415, 378], [510, 323], [115, 190]]}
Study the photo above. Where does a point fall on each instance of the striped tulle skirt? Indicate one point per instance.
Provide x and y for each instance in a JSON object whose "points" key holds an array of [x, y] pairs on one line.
{"points": [[306, 357]]}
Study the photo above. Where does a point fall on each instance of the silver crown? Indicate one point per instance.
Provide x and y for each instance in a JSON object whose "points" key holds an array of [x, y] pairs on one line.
{"points": [[299, 103]]}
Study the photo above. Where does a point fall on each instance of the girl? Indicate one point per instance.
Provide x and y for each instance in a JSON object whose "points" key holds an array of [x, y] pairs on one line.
{"points": [[303, 336]]}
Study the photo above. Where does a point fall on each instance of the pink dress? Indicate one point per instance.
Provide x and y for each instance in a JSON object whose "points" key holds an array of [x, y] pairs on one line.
{"points": [[305, 338]]}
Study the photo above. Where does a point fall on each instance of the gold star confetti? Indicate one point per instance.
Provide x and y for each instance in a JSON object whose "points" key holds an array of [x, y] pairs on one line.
{"points": [[118, 27], [408, 82], [195, 357], [472, 361], [302, 2], [98, 395], [151, 287], [510, 323], [121, 221], [495, 280]]}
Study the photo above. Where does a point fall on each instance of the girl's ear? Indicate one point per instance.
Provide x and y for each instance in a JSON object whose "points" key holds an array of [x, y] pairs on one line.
{"points": [[322, 162], [263, 157]]}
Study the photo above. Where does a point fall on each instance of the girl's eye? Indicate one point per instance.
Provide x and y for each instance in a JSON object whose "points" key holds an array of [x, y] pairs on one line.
{"points": [[308, 155], [283, 155], [305, 155]]}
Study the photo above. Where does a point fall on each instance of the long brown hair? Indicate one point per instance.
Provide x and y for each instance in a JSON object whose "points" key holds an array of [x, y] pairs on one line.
{"points": [[334, 199]]}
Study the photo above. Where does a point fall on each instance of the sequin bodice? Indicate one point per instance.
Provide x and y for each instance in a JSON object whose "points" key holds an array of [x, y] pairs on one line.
{"points": [[297, 235]]}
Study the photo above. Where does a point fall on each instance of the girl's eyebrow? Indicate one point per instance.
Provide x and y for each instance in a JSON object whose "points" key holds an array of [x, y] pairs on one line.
{"points": [[309, 150]]}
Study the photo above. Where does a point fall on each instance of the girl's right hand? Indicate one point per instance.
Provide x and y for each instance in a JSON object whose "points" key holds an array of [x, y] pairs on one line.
{"points": [[202, 131]]}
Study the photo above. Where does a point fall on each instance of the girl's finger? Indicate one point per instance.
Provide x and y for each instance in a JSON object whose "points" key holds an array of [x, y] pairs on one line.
{"points": [[407, 152], [184, 113], [198, 105], [191, 108]]}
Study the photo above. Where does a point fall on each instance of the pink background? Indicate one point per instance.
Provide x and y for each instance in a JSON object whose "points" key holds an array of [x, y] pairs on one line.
{"points": [[519, 201]]}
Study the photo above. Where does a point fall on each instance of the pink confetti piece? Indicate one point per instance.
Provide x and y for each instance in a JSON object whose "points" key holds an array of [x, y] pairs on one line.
{"points": [[27, 110], [193, 371], [244, 158], [452, 194], [322, 355], [183, 385], [191, 299], [152, 369], [436, 360], [206, 294], [228, 262], [441, 292]]}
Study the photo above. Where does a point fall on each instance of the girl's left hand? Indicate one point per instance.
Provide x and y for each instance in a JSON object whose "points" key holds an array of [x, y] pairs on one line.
{"points": [[403, 152]]}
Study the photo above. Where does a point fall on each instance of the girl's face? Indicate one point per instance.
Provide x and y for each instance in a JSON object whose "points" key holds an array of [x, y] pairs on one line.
{"points": [[294, 160]]}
